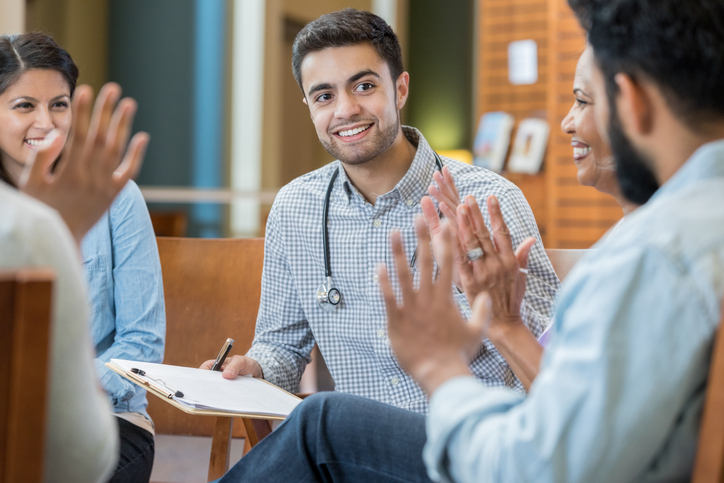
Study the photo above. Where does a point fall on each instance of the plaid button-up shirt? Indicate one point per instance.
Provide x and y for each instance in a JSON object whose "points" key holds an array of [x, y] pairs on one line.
{"points": [[353, 338]]}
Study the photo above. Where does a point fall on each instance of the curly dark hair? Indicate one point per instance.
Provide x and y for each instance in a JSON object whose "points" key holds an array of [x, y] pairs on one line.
{"points": [[347, 27], [676, 44], [32, 50]]}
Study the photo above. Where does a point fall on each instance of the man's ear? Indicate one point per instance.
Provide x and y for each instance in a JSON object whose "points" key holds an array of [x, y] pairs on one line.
{"points": [[634, 104], [402, 90]]}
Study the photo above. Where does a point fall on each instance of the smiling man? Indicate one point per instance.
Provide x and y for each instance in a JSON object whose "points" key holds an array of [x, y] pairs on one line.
{"points": [[331, 226]]}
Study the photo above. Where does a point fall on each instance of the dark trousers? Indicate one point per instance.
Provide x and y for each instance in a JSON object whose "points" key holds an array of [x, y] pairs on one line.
{"points": [[136, 459], [334, 437]]}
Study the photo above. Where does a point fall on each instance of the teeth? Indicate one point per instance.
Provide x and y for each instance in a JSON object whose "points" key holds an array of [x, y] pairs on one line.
{"points": [[35, 142], [581, 151], [352, 132]]}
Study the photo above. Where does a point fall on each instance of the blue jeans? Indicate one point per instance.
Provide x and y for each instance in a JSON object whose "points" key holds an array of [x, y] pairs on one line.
{"points": [[136, 458], [333, 437]]}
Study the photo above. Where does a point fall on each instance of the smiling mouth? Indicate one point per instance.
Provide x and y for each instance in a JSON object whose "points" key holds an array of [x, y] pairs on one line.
{"points": [[35, 142], [580, 152], [348, 133]]}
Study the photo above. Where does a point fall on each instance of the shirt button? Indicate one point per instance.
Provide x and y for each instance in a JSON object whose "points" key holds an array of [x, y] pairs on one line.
{"points": [[409, 202], [381, 333], [387, 342], [377, 223], [376, 279], [395, 381]]}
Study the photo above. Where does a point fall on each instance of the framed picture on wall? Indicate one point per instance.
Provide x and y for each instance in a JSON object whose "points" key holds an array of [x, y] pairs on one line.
{"points": [[492, 140], [529, 147]]}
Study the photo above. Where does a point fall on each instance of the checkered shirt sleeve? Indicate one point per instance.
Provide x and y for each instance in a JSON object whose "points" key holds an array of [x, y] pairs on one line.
{"points": [[353, 338]]}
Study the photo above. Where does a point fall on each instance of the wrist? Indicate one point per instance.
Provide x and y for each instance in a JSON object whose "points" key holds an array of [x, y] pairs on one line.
{"points": [[432, 374], [501, 331]]}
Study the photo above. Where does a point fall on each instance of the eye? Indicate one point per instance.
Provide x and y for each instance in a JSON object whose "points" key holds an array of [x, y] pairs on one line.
{"points": [[60, 104], [581, 102], [23, 105], [323, 97], [364, 86]]}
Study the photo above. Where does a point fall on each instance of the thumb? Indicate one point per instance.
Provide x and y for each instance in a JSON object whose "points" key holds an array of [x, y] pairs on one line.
{"points": [[481, 316], [430, 213], [39, 162]]}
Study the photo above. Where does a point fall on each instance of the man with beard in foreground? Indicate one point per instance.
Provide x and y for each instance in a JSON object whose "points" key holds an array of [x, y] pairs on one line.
{"points": [[621, 385]]}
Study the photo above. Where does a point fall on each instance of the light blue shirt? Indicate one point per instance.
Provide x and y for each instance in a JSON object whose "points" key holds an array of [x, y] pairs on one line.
{"points": [[128, 318], [621, 385]]}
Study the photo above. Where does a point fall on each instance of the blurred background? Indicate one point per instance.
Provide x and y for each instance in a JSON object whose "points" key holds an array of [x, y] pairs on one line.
{"points": [[228, 126]]}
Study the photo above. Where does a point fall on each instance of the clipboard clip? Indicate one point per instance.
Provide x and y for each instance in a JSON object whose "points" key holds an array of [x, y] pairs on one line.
{"points": [[171, 392]]}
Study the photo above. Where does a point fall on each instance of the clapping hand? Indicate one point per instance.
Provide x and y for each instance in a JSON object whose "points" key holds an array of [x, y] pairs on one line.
{"points": [[429, 336], [95, 164]]}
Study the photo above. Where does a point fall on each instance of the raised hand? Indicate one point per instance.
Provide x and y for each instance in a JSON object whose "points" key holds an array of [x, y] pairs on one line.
{"points": [[431, 340], [95, 164], [448, 198]]}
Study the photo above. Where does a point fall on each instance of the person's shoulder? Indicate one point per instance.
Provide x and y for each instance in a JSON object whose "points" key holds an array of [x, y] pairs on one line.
{"points": [[30, 231], [307, 187], [469, 179]]}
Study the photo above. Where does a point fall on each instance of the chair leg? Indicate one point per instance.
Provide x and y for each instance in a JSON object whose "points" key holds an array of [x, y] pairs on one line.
{"points": [[256, 429], [220, 447]]}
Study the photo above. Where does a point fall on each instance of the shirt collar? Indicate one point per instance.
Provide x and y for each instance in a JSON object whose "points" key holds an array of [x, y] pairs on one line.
{"points": [[413, 186], [706, 162]]}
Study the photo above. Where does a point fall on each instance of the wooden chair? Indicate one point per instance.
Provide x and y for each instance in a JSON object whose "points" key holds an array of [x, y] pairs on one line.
{"points": [[25, 308], [563, 260], [709, 464], [169, 223], [212, 289]]}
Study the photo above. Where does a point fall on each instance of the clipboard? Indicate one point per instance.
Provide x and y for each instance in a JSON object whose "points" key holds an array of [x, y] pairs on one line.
{"points": [[279, 402]]}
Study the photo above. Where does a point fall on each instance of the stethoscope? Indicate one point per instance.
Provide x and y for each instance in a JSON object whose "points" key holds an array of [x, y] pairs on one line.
{"points": [[329, 297]]}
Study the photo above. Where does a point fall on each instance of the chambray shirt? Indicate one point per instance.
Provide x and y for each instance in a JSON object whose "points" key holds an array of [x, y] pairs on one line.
{"points": [[128, 318], [353, 339], [621, 385]]}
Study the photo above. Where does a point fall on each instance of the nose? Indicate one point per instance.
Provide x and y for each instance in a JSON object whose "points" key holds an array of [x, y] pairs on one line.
{"points": [[568, 125], [346, 106], [43, 120]]}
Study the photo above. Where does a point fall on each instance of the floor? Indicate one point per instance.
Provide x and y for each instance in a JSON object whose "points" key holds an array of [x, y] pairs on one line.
{"points": [[185, 459]]}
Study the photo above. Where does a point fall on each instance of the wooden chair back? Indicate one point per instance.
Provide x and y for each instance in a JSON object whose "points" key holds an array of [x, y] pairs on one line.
{"points": [[709, 464], [563, 260], [25, 311], [211, 289], [169, 223]]}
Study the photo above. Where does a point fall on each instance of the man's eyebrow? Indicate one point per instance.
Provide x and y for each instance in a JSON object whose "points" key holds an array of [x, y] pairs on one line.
{"points": [[318, 87], [361, 74]]}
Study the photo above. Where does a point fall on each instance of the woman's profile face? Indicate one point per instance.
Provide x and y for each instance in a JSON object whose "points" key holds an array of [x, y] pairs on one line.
{"points": [[591, 153], [35, 104]]}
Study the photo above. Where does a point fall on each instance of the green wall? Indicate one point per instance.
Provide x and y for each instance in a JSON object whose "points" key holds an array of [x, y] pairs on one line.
{"points": [[440, 63]]}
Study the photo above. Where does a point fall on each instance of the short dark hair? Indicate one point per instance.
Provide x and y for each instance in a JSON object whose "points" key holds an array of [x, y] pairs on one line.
{"points": [[676, 44], [32, 50], [347, 27]]}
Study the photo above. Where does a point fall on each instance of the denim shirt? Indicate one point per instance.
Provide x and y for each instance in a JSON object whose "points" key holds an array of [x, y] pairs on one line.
{"points": [[621, 386], [128, 318]]}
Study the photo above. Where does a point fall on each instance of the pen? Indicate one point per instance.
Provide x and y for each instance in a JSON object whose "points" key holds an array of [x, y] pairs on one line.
{"points": [[222, 355]]}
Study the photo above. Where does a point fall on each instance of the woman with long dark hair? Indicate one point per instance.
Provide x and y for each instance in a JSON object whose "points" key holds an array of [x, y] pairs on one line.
{"points": [[121, 264]]}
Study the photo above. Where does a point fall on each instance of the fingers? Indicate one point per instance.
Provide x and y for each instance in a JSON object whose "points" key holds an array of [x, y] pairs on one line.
{"points": [[522, 253], [471, 236], [430, 213], [501, 234], [103, 111], [424, 257], [207, 365], [39, 162], [403, 272], [80, 123], [238, 366], [446, 261], [387, 294], [133, 160], [118, 132]]}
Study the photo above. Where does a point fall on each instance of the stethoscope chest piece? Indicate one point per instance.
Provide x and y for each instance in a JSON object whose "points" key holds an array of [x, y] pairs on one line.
{"points": [[328, 297]]}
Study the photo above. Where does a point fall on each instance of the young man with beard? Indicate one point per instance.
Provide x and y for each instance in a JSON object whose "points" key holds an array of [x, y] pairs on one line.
{"points": [[349, 67], [621, 385]]}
